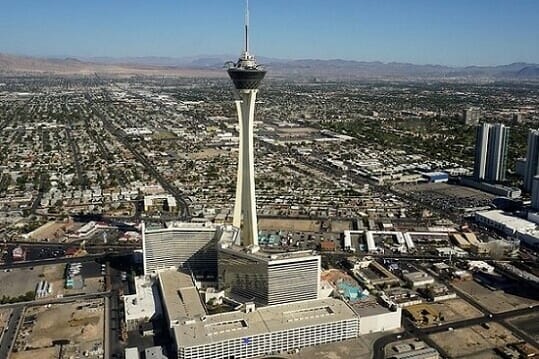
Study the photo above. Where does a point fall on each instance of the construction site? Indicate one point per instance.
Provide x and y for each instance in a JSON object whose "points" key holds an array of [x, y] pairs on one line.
{"points": [[66, 330]]}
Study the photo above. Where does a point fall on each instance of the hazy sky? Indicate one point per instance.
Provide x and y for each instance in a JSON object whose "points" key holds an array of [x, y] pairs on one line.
{"points": [[451, 32]]}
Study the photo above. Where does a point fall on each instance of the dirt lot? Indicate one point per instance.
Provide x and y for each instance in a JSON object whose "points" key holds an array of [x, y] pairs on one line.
{"points": [[340, 226], [359, 348], [487, 354], [4, 318], [474, 340], [497, 301], [51, 231], [455, 309], [291, 225], [45, 353], [81, 323], [19, 281]]}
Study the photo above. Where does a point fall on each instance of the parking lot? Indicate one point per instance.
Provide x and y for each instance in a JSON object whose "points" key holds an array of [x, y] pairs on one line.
{"points": [[498, 299], [451, 198]]}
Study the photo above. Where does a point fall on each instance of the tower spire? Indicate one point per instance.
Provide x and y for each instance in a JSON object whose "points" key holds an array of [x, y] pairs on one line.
{"points": [[246, 26]]}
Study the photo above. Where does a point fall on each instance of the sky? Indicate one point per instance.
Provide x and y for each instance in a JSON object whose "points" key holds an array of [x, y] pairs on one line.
{"points": [[448, 32]]}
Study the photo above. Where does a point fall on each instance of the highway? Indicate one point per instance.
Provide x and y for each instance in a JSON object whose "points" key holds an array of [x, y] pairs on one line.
{"points": [[86, 258]]}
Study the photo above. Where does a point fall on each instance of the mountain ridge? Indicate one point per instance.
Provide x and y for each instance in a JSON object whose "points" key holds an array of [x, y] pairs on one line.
{"points": [[212, 65]]}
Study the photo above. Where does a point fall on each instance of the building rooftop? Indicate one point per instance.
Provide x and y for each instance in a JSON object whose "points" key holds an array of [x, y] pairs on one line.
{"points": [[192, 326], [515, 223], [225, 326], [417, 276], [369, 306], [266, 255], [142, 303], [180, 297]]}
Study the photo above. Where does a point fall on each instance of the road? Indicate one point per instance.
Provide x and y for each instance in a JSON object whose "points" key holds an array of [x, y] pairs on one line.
{"points": [[86, 258], [37, 201], [411, 331], [8, 338], [76, 157], [422, 333], [121, 137]]}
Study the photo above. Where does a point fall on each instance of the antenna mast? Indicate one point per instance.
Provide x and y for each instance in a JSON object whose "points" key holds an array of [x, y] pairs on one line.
{"points": [[246, 26]]}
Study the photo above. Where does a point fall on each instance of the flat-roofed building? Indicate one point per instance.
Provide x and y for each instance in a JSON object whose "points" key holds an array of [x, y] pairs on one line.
{"points": [[375, 318], [182, 245], [504, 222], [417, 279], [267, 278], [251, 332], [132, 353], [424, 353], [142, 306]]}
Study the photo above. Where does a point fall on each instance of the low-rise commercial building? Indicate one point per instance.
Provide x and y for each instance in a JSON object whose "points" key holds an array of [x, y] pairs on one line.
{"points": [[142, 306], [418, 279]]}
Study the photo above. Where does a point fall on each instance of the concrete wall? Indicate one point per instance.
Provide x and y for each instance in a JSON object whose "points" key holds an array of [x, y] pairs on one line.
{"points": [[380, 322]]}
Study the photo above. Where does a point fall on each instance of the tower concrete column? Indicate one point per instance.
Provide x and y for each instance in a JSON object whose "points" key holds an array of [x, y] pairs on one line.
{"points": [[245, 205]]}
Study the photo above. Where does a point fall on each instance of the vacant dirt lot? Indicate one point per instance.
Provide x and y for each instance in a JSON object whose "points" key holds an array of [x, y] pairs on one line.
{"points": [[51, 231], [291, 225], [21, 280], [473, 340], [497, 301], [455, 309], [340, 226], [80, 323]]}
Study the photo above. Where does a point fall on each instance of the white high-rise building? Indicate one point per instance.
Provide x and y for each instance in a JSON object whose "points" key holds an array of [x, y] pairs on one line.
{"points": [[246, 75], [181, 245], [491, 152], [532, 160]]}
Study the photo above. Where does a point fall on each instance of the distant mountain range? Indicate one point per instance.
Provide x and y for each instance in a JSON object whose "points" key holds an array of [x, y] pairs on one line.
{"points": [[212, 66]]}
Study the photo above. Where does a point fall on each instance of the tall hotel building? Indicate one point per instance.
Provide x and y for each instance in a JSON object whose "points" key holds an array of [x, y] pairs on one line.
{"points": [[532, 160], [491, 152], [268, 279], [182, 245]]}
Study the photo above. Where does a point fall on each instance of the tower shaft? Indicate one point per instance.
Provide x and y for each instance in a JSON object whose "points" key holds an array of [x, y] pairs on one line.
{"points": [[245, 205]]}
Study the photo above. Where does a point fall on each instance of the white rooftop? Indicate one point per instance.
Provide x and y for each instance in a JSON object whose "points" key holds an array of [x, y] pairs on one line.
{"points": [[512, 222], [192, 326], [141, 304]]}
